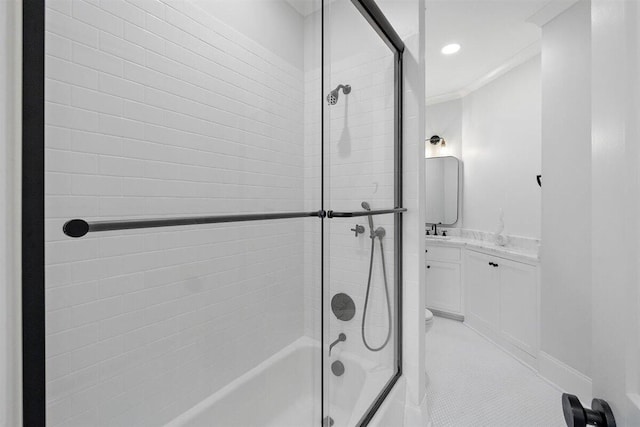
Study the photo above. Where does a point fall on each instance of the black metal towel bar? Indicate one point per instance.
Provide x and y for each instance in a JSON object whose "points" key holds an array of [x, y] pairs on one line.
{"points": [[334, 214], [80, 227]]}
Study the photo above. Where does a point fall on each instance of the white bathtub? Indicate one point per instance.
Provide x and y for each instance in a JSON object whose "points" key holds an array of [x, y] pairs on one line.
{"points": [[284, 391]]}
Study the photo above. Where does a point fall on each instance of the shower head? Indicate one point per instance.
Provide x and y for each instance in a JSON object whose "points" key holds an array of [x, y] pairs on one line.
{"points": [[332, 98], [367, 207]]}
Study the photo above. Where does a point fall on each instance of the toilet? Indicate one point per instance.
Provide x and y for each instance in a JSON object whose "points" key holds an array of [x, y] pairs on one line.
{"points": [[428, 320]]}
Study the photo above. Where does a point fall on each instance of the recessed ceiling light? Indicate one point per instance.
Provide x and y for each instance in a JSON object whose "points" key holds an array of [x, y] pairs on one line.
{"points": [[450, 49]]}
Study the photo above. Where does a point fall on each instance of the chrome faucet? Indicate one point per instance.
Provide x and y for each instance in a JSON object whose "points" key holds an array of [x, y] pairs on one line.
{"points": [[341, 337]]}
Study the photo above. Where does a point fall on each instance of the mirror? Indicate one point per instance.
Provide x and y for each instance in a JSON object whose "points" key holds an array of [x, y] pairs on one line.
{"points": [[441, 176]]}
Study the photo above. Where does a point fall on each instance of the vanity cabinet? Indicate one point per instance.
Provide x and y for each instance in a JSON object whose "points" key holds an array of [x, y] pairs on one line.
{"points": [[481, 280], [502, 302], [444, 279]]}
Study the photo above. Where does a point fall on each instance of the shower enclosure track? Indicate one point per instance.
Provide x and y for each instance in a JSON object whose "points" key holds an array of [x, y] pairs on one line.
{"points": [[80, 227]]}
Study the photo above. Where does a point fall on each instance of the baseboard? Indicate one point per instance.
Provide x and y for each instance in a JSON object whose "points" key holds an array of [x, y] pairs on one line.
{"points": [[525, 359], [446, 315], [565, 377]]}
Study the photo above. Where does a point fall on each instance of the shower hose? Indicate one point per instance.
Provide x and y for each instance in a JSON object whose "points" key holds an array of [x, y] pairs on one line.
{"points": [[386, 290]]}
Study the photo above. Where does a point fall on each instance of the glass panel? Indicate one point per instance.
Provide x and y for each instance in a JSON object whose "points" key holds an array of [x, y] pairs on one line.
{"points": [[359, 175], [183, 108], [362, 365]]}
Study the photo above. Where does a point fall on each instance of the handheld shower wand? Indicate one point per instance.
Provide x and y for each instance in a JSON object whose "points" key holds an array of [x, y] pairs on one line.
{"points": [[367, 207], [379, 233]]}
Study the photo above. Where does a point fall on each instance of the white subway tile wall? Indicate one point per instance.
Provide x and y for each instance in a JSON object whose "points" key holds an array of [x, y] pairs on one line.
{"points": [[360, 166], [155, 108]]}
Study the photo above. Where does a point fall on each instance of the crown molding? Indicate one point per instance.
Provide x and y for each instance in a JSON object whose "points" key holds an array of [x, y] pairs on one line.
{"points": [[516, 60], [549, 11]]}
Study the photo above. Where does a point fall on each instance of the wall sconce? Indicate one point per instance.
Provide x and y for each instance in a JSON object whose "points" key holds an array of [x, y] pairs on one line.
{"points": [[435, 140]]}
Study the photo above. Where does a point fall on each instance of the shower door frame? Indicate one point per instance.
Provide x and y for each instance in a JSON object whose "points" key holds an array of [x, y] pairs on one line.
{"points": [[32, 229], [381, 25], [34, 409]]}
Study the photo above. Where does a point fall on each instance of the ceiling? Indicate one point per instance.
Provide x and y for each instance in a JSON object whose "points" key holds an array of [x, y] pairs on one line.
{"points": [[494, 35], [305, 7]]}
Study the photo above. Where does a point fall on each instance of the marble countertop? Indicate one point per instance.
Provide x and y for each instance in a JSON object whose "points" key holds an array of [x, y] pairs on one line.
{"points": [[526, 254]]}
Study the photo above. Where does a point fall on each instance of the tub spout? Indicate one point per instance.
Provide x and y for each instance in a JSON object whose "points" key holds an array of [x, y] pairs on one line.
{"points": [[341, 337]]}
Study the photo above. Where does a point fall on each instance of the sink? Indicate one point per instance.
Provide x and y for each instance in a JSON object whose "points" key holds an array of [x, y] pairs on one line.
{"points": [[431, 236]]}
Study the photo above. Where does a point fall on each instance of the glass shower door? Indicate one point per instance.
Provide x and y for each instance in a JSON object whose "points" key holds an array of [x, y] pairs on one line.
{"points": [[183, 230], [222, 211], [362, 196]]}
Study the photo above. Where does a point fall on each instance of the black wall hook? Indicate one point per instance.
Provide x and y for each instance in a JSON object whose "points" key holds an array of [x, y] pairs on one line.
{"points": [[539, 179]]}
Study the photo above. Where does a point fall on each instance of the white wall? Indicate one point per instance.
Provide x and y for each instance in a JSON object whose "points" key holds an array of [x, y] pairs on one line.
{"points": [[413, 222], [10, 372], [445, 119], [166, 111], [566, 191], [501, 153], [495, 131], [615, 203]]}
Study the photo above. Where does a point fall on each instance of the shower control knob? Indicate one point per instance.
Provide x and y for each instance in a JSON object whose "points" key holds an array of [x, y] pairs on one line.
{"points": [[576, 415], [358, 230]]}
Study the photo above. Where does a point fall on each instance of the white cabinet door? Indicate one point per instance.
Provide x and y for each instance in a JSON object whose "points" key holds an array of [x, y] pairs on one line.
{"points": [[444, 286], [518, 304], [481, 292]]}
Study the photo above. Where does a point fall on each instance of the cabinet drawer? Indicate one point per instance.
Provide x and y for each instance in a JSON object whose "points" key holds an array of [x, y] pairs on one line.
{"points": [[442, 253]]}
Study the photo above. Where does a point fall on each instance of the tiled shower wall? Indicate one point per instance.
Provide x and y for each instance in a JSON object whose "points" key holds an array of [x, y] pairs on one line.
{"points": [[360, 168], [313, 105], [158, 109]]}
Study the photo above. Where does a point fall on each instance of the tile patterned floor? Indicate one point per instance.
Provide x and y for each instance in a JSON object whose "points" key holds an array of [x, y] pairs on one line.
{"points": [[471, 382]]}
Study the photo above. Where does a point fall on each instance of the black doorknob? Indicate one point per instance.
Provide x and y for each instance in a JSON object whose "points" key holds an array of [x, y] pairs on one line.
{"points": [[576, 415], [428, 266]]}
